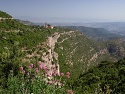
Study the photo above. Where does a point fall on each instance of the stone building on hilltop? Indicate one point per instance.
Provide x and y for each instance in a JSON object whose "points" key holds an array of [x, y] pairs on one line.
{"points": [[48, 26]]}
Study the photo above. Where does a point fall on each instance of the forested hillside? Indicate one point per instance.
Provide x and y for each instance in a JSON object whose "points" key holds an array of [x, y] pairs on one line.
{"points": [[106, 78]]}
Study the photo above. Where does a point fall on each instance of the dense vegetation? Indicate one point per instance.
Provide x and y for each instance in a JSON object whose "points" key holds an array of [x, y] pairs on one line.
{"points": [[4, 15], [106, 78], [15, 36]]}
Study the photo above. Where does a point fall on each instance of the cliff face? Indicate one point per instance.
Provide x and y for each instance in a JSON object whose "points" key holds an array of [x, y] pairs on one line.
{"points": [[49, 58]]}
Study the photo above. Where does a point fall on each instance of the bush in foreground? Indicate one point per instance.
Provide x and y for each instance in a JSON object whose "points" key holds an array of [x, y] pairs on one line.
{"points": [[38, 80]]}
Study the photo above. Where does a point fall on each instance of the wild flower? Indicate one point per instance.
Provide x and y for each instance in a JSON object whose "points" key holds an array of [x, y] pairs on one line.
{"points": [[61, 74], [56, 73], [46, 70], [21, 68], [31, 64], [44, 67], [29, 67], [54, 69], [50, 82], [40, 63], [23, 71], [36, 70], [56, 81], [67, 73], [43, 75], [67, 76], [69, 92], [49, 74], [40, 66]]}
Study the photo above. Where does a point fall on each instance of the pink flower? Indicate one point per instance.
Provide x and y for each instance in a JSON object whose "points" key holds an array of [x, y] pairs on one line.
{"points": [[60, 84], [36, 69], [47, 70], [44, 67], [55, 73], [40, 63], [40, 66], [69, 92], [21, 68], [62, 74], [54, 68], [67, 73], [31, 64], [56, 81], [50, 82], [67, 76], [48, 74], [29, 67], [23, 71]]}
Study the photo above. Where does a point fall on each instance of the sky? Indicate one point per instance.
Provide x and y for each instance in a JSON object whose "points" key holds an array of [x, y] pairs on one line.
{"points": [[65, 10]]}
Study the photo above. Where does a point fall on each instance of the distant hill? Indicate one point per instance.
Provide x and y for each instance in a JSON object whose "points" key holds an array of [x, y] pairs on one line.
{"points": [[25, 22], [98, 34], [113, 27]]}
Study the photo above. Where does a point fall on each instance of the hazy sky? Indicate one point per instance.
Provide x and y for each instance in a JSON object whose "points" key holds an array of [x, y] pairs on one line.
{"points": [[65, 10]]}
